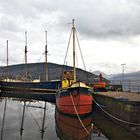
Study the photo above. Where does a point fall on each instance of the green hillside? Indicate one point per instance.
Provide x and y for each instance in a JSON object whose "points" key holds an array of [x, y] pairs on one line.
{"points": [[36, 70]]}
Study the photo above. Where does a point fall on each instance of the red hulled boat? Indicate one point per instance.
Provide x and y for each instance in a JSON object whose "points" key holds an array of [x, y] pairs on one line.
{"points": [[73, 97]]}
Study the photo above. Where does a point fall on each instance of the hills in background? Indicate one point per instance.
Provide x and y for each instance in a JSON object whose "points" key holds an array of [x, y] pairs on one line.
{"points": [[127, 76], [98, 73], [37, 70]]}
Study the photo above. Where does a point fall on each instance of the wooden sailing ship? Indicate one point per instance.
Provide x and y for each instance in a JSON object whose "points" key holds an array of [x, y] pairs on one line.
{"points": [[26, 84], [73, 98]]}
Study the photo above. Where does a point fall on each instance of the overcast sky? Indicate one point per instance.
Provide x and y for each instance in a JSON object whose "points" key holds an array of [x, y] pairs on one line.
{"points": [[108, 32]]}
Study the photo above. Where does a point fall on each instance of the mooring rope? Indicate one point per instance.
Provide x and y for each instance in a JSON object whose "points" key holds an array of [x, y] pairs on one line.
{"points": [[112, 115], [78, 115], [107, 106]]}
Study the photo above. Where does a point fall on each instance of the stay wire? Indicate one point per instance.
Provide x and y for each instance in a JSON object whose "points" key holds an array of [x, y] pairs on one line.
{"points": [[66, 52], [82, 57], [80, 51], [77, 58], [40, 58]]}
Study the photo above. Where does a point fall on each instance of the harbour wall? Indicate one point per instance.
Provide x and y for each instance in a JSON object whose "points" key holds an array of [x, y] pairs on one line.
{"points": [[122, 111]]}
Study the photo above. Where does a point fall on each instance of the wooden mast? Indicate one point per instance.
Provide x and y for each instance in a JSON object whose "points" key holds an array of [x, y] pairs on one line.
{"points": [[74, 68], [26, 72], [46, 60]]}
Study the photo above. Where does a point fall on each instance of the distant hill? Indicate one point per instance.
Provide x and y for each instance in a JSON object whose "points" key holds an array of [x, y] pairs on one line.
{"points": [[36, 70], [127, 76], [98, 73]]}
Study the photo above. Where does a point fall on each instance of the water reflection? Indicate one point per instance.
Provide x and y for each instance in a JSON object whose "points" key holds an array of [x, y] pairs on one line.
{"points": [[3, 120], [71, 128], [22, 122], [42, 128], [23, 119], [26, 119]]}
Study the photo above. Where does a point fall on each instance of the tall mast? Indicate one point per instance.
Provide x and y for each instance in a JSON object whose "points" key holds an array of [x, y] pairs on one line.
{"points": [[7, 58], [26, 72], [74, 68], [46, 53]]}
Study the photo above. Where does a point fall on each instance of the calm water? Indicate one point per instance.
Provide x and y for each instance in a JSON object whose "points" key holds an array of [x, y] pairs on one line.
{"points": [[38, 120]]}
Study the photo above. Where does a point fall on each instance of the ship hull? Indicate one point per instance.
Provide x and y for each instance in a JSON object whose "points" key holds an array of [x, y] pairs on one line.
{"points": [[74, 101], [41, 85], [49, 87], [36, 90]]}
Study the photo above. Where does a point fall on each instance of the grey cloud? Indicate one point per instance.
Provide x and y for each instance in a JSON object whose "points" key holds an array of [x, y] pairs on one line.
{"points": [[102, 18], [111, 22], [95, 18], [18, 8], [8, 23]]}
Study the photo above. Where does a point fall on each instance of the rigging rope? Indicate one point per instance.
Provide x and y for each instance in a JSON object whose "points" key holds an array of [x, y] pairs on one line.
{"points": [[40, 57], [82, 56], [80, 50], [112, 115], [78, 115], [76, 58], [66, 52]]}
